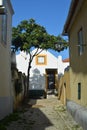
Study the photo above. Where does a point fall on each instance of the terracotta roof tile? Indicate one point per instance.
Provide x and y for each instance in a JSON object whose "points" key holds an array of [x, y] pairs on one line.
{"points": [[66, 60]]}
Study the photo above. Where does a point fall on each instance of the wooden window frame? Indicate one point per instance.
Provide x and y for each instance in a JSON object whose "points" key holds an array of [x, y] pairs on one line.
{"points": [[44, 60]]}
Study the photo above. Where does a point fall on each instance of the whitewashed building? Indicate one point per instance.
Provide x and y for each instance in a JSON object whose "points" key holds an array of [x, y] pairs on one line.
{"points": [[44, 69], [62, 64]]}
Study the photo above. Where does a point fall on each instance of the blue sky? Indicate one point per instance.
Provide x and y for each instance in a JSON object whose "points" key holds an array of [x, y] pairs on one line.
{"points": [[51, 14]]}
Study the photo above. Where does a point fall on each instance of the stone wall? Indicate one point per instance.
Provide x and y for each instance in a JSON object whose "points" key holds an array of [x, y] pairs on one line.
{"points": [[19, 87]]}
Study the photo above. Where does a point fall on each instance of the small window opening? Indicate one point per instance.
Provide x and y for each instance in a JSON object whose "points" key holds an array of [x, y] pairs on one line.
{"points": [[79, 91]]}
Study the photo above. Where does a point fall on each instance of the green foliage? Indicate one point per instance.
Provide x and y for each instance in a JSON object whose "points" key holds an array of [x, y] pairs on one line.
{"points": [[28, 33]]}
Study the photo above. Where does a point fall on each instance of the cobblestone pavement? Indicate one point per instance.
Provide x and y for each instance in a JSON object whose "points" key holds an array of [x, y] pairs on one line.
{"points": [[45, 114]]}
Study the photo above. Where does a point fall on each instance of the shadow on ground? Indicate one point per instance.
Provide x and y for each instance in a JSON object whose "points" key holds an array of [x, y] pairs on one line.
{"points": [[36, 117], [32, 118]]}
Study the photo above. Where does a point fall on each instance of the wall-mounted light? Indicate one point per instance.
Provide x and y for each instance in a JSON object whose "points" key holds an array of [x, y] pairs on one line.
{"points": [[59, 45]]}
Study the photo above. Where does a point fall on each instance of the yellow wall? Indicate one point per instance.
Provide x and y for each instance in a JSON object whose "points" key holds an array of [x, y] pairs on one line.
{"points": [[64, 92], [67, 81], [78, 70]]}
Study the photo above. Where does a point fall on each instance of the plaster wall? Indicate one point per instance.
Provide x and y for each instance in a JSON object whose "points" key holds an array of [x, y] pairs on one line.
{"points": [[61, 65], [38, 71], [78, 63], [6, 100]]}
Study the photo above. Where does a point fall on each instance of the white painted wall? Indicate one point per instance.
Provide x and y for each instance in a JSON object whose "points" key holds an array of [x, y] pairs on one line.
{"points": [[38, 79], [22, 62], [61, 65], [51, 63], [37, 72]]}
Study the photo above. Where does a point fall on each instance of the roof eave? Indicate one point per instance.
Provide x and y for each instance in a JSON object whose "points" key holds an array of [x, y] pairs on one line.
{"points": [[69, 17], [11, 7]]}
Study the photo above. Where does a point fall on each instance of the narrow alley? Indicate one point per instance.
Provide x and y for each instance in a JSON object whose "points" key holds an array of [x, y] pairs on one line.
{"points": [[44, 114]]}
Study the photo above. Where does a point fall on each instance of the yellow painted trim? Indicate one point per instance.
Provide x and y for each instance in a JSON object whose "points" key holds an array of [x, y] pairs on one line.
{"points": [[45, 59]]}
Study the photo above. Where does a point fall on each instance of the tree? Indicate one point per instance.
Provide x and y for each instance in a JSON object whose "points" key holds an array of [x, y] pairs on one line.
{"points": [[29, 34]]}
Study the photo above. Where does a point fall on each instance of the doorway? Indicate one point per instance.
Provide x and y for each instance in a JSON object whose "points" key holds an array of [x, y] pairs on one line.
{"points": [[51, 80]]}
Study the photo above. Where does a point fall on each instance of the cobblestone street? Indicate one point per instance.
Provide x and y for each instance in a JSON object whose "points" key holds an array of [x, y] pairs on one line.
{"points": [[45, 114]]}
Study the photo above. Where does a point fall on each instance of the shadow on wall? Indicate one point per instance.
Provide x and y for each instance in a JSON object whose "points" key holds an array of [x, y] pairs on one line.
{"points": [[37, 81], [79, 66], [37, 85]]}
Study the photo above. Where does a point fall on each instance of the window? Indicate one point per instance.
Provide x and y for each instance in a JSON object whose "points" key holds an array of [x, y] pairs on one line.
{"points": [[4, 24], [41, 60], [79, 91], [4, 28], [1, 2], [80, 42]]}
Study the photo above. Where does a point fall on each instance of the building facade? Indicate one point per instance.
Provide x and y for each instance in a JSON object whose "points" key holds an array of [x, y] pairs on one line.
{"points": [[76, 28], [45, 69], [6, 103]]}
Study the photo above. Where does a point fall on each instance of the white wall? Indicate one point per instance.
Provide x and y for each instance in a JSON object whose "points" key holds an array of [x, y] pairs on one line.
{"points": [[37, 72], [22, 62], [38, 79], [51, 63], [61, 65]]}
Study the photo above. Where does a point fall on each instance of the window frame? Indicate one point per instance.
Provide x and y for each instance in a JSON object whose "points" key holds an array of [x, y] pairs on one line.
{"points": [[4, 29], [44, 60], [80, 42], [4, 23], [1, 2], [79, 91]]}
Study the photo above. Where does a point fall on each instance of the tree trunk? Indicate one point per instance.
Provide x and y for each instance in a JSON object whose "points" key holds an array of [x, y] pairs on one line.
{"points": [[29, 67], [28, 78]]}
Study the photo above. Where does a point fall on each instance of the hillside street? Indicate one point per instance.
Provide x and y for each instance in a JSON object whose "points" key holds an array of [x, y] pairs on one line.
{"points": [[44, 114]]}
